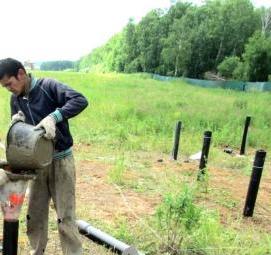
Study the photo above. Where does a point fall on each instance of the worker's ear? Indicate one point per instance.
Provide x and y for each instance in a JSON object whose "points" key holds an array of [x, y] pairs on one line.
{"points": [[21, 74]]}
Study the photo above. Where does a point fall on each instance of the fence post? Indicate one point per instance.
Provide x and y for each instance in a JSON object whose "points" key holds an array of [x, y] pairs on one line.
{"points": [[244, 140], [254, 183], [205, 152], [176, 140]]}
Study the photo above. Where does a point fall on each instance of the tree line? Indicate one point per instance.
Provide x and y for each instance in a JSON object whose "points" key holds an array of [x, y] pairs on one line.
{"points": [[58, 65], [230, 38]]}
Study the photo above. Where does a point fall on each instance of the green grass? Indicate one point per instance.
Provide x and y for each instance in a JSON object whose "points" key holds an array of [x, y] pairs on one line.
{"points": [[134, 113]]}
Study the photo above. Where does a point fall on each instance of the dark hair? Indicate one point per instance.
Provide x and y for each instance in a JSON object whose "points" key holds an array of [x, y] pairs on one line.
{"points": [[10, 67]]}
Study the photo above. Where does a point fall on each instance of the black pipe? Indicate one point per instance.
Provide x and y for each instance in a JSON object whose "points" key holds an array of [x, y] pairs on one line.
{"points": [[205, 152], [102, 238], [244, 139], [254, 183], [176, 140], [10, 237]]}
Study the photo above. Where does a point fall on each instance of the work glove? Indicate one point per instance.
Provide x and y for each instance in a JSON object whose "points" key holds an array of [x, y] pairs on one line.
{"points": [[49, 126], [19, 116], [3, 177]]}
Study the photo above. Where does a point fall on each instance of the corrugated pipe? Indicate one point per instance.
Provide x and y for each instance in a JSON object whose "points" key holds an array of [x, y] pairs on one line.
{"points": [[102, 238]]}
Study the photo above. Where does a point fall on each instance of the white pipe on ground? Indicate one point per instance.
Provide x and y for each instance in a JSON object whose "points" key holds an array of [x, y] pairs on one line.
{"points": [[101, 237]]}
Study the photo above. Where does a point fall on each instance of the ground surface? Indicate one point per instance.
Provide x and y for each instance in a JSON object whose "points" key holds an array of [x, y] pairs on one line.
{"points": [[98, 200]]}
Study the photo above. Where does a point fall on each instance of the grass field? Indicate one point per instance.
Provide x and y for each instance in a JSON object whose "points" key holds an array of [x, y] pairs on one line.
{"points": [[127, 184]]}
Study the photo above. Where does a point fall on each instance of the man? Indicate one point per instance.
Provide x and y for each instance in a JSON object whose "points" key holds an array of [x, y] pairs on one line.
{"points": [[47, 104]]}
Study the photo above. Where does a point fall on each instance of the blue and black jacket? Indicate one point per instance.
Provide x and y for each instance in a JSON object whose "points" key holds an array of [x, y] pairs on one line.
{"points": [[45, 97]]}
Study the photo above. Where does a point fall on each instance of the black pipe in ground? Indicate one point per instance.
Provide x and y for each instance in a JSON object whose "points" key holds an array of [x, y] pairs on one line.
{"points": [[254, 183], [10, 237], [204, 153], [102, 238], [176, 140], [244, 139]]}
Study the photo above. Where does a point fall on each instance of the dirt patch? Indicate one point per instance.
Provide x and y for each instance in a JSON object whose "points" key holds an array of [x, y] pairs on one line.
{"points": [[235, 187], [107, 201], [226, 193]]}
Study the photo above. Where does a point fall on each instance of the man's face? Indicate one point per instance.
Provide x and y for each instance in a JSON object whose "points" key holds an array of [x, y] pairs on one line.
{"points": [[16, 85]]}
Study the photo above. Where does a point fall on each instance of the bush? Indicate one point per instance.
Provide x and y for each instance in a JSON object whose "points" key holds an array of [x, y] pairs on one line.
{"points": [[177, 216], [257, 57], [227, 66], [240, 72], [133, 67]]}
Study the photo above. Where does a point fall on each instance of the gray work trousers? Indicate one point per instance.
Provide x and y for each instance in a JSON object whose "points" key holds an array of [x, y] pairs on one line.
{"points": [[56, 181]]}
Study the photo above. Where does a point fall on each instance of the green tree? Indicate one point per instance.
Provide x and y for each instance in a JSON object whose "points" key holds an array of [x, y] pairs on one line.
{"points": [[130, 48], [233, 26], [108, 57], [176, 47], [257, 57], [185, 40], [227, 66], [240, 72], [57, 65], [149, 41], [266, 20], [221, 29]]}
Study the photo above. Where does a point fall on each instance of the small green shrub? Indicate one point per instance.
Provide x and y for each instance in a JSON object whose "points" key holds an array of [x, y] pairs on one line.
{"points": [[116, 174], [176, 217], [227, 66]]}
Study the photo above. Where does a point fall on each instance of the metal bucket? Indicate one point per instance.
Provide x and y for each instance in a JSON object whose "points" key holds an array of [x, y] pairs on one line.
{"points": [[26, 148]]}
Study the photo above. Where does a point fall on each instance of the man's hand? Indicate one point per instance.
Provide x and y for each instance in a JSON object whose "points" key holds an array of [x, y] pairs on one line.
{"points": [[49, 125], [19, 116], [3, 177]]}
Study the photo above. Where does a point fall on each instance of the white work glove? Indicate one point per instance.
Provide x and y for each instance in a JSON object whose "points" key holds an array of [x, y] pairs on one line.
{"points": [[19, 116], [49, 125], [3, 177]]}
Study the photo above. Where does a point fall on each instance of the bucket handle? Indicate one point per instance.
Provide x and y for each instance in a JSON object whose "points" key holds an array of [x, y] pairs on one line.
{"points": [[40, 129]]}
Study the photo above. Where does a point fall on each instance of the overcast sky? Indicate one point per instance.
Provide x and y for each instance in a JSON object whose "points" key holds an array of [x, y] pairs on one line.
{"points": [[42, 30]]}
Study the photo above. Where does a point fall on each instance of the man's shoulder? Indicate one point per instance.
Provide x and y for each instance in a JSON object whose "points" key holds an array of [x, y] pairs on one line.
{"points": [[46, 81], [47, 84], [51, 82]]}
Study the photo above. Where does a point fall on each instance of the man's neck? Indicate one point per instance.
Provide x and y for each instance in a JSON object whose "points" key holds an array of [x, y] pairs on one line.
{"points": [[27, 86]]}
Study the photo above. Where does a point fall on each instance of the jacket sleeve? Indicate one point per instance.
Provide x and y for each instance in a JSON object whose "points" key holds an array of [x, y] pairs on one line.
{"points": [[69, 102]]}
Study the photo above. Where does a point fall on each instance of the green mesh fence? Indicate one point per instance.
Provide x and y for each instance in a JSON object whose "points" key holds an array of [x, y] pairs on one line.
{"points": [[258, 86], [235, 85]]}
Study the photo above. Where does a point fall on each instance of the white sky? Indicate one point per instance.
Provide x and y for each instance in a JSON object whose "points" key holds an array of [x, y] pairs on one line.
{"points": [[42, 30]]}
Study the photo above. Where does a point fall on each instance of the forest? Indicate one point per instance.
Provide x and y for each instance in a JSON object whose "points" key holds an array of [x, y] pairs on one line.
{"points": [[228, 38]]}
